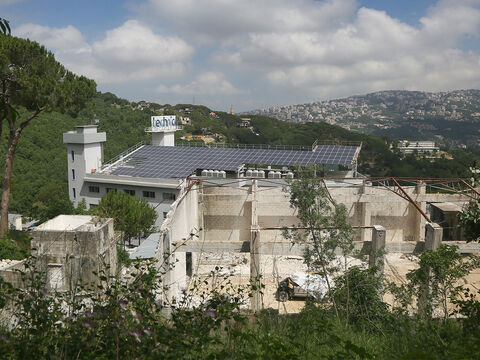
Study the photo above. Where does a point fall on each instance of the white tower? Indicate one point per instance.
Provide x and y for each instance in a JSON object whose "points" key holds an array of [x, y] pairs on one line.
{"points": [[84, 156], [163, 130]]}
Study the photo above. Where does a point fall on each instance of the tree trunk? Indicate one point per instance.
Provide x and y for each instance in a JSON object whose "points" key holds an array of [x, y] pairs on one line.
{"points": [[13, 137], [7, 176]]}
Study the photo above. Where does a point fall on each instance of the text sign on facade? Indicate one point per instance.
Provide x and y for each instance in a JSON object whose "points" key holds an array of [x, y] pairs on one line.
{"points": [[164, 122]]}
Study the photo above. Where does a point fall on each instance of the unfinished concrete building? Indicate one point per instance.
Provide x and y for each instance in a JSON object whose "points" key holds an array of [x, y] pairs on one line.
{"points": [[237, 225], [70, 248]]}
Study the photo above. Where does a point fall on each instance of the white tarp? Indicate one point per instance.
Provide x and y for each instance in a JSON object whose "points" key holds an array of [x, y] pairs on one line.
{"points": [[315, 285]]}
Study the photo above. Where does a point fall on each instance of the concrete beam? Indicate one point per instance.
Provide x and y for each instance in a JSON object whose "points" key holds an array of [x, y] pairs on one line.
{"points": [[286, 248]]}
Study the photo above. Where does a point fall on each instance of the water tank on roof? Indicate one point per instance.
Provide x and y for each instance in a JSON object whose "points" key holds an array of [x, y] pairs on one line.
{"points": [[204, 172], [223, 174], [216, 173], [255, 173], [261, 174], [210, 173], [248, 173], [277, 175], [289, 175], [271, 174]]}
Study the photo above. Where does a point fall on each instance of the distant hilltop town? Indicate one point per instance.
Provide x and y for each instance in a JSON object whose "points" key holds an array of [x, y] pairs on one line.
{"points": [[395, 113]]}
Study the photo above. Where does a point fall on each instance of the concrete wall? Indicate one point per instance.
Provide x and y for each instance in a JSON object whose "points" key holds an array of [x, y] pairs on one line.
{"points": [[69, 248], [183, 223]]}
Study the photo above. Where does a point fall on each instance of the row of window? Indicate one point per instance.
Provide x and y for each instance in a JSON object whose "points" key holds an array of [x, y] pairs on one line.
{"points": [[146, 194]]}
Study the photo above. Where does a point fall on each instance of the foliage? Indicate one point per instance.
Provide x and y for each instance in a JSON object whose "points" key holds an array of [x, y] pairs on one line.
{"points": [[435, 282], [31, 77], [15, 245], [132, 215], [123, 258], [323, 225], [358, 294], [469, 218], [52, 200]]}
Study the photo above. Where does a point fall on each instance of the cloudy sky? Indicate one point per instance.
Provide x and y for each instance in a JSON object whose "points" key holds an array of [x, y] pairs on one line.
{"points": [[257, 53]]}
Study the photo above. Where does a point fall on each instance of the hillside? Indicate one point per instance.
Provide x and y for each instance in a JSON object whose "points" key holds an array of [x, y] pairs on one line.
{"points": [[41, 156], [450, 118]]}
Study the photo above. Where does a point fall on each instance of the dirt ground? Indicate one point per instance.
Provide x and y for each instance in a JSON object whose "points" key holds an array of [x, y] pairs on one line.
{"points": [[235, 270]]}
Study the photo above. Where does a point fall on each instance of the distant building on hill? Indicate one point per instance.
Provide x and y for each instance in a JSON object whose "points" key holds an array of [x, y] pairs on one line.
{"points": [[421, 147]]}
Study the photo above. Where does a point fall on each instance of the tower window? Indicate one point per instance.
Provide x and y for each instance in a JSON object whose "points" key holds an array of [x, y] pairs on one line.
{"points": [[94, 189], [149, 194], [129, 192], [73, 155], [169, 196], [73, 174], [74, 193]]}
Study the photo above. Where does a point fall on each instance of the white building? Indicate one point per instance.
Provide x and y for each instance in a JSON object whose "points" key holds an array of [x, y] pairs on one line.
{"points": [[409, 147], [155, 172]]}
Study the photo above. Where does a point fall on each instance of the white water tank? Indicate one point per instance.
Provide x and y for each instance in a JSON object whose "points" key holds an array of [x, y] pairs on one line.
{"points": [[210, 173], [261, 174], [216, 173], [248, 173], [254, 173], [271, 174], [277, 175], [223, 174], [204, 172], [289, 175]]}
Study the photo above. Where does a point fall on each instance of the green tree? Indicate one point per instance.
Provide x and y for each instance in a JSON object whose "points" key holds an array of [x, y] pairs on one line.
{"points": [[323, 225], [435, 282], [132, 215], [31, 77], [52, 200], [469, 218]]}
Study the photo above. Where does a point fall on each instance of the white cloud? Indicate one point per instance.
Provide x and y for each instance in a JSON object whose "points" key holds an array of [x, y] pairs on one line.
{"points": [[129, 52], [273, 50], [209, 83]]}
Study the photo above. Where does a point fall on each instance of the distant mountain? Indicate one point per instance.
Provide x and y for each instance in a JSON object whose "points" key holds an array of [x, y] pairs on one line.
{"points": [[450, 118]]}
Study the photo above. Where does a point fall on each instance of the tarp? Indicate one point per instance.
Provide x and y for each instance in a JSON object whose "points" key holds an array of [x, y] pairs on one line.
{"points": [[315, 285]]}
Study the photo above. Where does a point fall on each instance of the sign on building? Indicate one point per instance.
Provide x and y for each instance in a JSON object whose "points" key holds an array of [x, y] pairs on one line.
{"points": [[164, 122]]}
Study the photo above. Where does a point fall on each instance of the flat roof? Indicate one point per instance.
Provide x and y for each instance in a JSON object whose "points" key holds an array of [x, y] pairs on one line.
{"points": [[178, 162]]}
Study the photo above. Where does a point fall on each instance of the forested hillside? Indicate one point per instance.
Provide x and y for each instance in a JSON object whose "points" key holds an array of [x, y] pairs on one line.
{"points": [[41, 156]]}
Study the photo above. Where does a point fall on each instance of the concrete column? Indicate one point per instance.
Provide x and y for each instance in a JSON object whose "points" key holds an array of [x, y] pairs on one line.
{"points": [[365, 220], [255, 271], [434, 236], [432, 242], [377, 252], [420, 221]]}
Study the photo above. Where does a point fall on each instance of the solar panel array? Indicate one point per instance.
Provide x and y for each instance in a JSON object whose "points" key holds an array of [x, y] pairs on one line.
{"points": [[178, 162]]}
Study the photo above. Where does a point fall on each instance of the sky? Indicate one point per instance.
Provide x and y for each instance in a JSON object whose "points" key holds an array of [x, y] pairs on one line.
{"points": [[257, 53]]}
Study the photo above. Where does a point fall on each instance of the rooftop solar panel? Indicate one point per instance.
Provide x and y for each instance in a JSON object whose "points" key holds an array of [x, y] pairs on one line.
{"points": [[178, 162]]}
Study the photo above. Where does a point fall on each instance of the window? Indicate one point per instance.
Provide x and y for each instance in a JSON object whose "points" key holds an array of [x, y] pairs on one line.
{"points": [[110, 189], [94, 189], [149, 194], [169, 196], [73, 155], [188, 263], [74, 193], [73, 174], [165, 214], [129, 192]]}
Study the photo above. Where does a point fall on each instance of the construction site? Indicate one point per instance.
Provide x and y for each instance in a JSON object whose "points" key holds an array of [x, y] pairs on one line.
{"points": [[234, 227]]}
